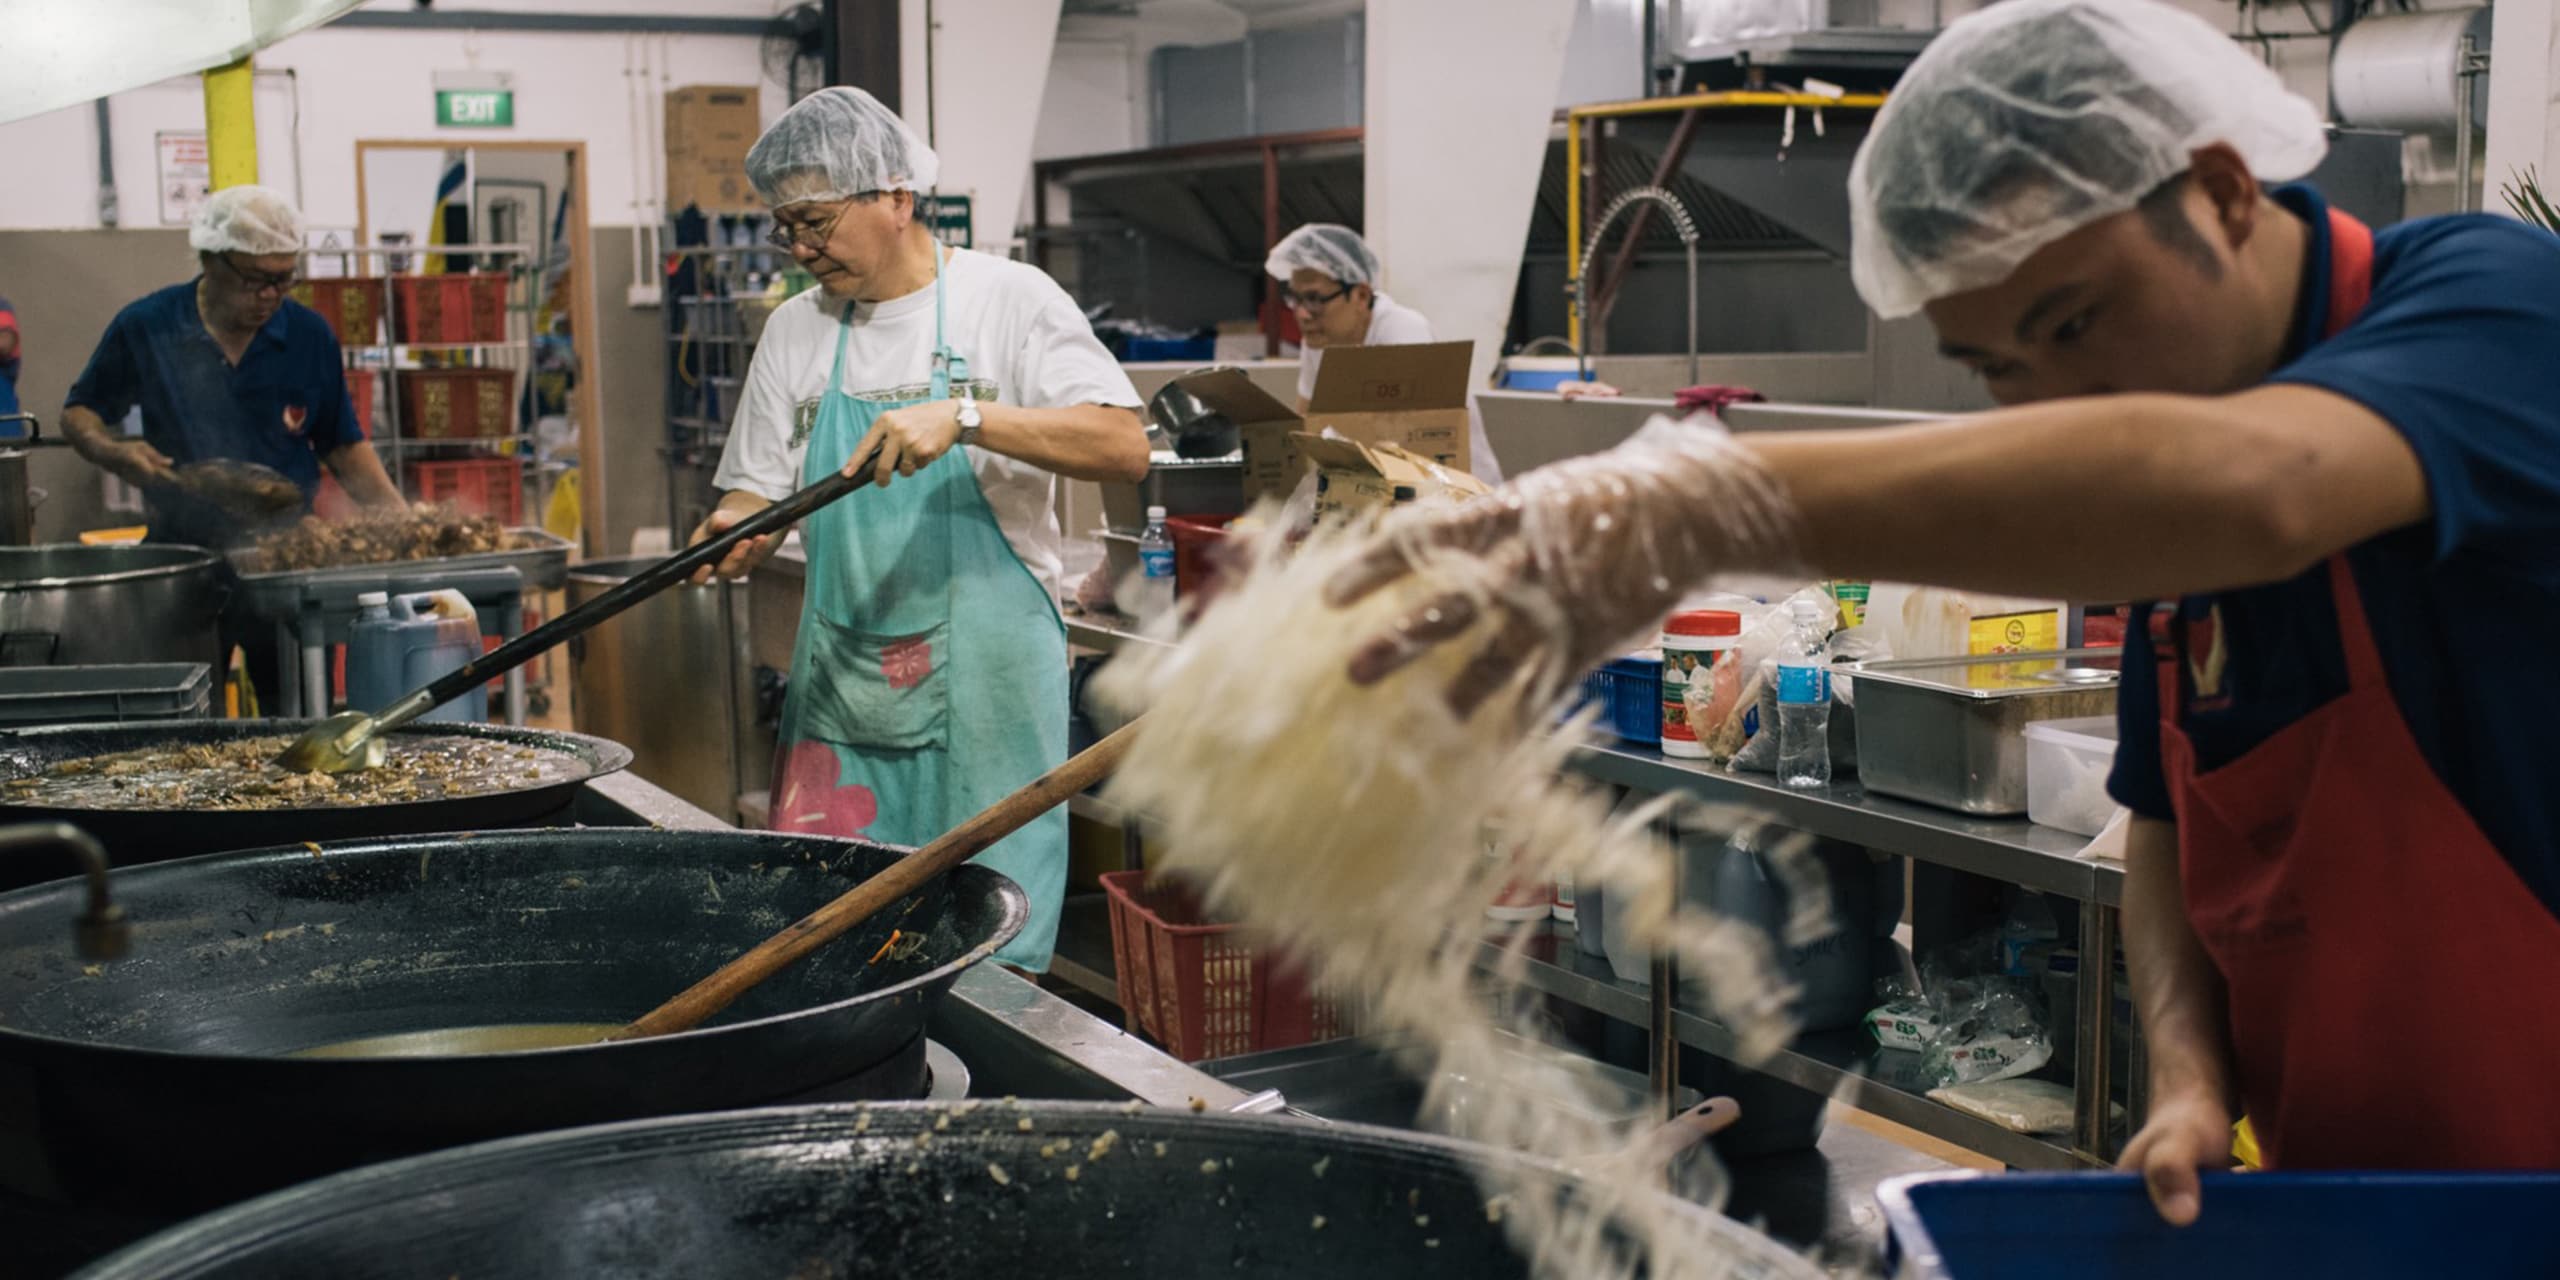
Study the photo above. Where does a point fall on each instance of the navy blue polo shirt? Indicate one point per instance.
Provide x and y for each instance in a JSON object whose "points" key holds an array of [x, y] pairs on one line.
{"points": [[2459, 350], [284, 405]]}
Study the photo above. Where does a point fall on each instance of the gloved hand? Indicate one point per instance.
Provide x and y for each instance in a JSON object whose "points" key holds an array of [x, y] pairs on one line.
{"points": [[1586, 554]]}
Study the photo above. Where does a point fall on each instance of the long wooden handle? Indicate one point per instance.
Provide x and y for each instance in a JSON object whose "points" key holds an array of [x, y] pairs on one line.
{"points": [[908, 874]]}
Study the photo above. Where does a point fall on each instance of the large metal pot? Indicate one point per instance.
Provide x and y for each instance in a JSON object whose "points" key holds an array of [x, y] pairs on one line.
{"points": [[64, 603], [167, 1082], [924, 1192], [673, 681]]}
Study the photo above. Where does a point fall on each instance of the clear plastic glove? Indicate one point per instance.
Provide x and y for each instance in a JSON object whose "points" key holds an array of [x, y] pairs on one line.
{"points": [[1586, 554]]}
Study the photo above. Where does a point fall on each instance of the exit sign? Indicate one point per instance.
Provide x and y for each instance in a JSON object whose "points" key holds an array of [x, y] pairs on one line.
{"points": [[476, 108]]}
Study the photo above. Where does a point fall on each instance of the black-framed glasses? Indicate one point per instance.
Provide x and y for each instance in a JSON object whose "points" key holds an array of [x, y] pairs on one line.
{"points": [[1310, 302], [260, 281], [812, 236]]}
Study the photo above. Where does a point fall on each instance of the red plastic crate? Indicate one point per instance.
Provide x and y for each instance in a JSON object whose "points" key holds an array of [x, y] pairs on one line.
{"points": [[478, 486], [1201, 989], [351, 304], [449, 308], [362, 386], [457, 404]]}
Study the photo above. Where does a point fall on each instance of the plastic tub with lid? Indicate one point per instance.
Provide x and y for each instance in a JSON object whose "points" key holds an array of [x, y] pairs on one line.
{"points": [[2067, 766]]}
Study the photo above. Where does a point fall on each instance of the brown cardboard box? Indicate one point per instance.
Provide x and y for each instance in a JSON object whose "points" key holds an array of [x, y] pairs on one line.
{"points": [[1353, 477], [1413, 396], [709, 129]]}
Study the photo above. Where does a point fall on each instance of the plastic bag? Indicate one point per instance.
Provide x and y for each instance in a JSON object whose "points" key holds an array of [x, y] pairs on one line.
{"points": [[1992, 1032]]}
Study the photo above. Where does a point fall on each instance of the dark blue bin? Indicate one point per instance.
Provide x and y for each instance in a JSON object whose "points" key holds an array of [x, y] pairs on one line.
{"points": [[2336, 1226], [1629, 691]]}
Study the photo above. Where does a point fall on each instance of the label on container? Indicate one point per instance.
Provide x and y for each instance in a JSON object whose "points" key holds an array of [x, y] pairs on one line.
{"points": [[1804, 685], [1852, 599], [2036, 631], [1678, 667], [1158, 562]]}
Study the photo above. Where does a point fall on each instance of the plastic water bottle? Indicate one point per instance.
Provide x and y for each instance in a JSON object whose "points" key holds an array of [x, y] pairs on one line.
{"points": [[1155, 563], [1804, 700]]}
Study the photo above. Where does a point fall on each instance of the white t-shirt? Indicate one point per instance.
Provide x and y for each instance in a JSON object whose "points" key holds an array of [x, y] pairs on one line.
{"points": [[1026, 344], [1391, 324]]}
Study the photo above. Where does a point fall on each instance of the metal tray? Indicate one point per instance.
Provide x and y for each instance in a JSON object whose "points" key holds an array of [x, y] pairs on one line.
{"points": [[541, 557], [1952, 731]]}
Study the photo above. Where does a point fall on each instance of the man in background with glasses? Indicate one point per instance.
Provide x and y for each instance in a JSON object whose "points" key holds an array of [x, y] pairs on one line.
{"points": [[225, 367], [1329, 281]]}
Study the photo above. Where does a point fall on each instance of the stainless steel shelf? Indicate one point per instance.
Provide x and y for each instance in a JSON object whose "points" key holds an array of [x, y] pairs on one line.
{"points": [[1843, 1064], [2010, 849], [394, 348], [1094, 808], [1105, 632]]}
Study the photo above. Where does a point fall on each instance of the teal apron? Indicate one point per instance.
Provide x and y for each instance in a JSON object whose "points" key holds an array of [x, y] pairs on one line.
{"points": [[930, 677]]}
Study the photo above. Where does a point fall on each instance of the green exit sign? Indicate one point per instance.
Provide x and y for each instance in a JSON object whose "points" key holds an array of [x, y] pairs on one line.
{"points": [[476, 108]]}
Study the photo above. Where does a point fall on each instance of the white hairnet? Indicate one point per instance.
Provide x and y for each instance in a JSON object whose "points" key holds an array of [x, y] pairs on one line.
{"points": [[2030, 119], [251, 220], [838, 143], [1329, 247]]}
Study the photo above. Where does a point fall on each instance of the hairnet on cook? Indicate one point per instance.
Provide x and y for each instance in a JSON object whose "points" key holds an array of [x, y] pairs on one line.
{"points": [[1328, 247], [838, 143], [251, 220], [2030, 119]]}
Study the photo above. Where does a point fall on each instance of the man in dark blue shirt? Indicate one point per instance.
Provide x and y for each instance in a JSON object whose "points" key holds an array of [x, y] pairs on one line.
{"points": [[225, 367], [2340, 449]]}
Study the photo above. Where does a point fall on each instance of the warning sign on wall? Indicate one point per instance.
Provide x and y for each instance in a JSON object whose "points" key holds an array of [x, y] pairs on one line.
{"points": [[186, 177]]}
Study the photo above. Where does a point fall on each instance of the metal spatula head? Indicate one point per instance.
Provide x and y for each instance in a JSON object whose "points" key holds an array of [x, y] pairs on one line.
{"points": [[343, 743], [245, 491]]}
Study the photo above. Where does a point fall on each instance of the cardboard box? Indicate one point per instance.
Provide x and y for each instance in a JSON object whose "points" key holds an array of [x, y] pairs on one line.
{"points": [[1413, 397], [709, 129], [1353, 478]]}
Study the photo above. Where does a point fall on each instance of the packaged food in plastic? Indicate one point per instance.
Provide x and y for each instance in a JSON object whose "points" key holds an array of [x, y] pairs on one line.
{"points": [[1906, 1023], [1987, 1031], [2020, 1106]]}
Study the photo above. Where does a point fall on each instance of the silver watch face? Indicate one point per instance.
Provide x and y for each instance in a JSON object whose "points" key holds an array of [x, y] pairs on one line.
{"points": [[968, 416]]}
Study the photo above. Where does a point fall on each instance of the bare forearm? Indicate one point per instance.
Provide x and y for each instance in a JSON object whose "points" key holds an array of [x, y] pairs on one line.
{"points": [[2120, 497], [360, 470], [742, 504], [86, 431], [2176, 990], [1080, 442]]}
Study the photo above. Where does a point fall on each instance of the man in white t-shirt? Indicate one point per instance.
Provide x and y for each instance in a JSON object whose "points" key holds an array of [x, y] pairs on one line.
{"points": [[929, 678], [1329, 278]]}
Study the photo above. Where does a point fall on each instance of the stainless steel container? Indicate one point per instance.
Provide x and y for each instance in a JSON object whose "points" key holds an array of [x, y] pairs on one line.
{"points": [[1951, 731], [65, 604], [672, 679], [1182, 486]]}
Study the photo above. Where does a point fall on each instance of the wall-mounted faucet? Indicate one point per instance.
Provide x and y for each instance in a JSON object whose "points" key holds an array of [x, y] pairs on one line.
{"points": [[1681, 224]]}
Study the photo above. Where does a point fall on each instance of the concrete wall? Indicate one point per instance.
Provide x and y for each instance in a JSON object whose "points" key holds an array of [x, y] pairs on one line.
{"points": [[66, 286]]}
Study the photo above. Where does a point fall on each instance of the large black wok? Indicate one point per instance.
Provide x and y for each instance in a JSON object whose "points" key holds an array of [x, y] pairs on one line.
{"points": [[156, 1084], [818, 1193], [152, 835]]}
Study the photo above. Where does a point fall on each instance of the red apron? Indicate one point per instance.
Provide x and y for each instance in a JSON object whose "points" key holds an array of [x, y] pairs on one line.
{"points": [[2394, 985]]}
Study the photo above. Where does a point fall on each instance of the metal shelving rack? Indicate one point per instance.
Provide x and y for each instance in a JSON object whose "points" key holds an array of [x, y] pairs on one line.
{"points": [[385, 360], [1846, 1064], [711, 332]]}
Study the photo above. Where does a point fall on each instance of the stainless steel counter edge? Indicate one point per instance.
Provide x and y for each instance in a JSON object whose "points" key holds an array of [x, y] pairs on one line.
{"points": [[1016, 1037]]}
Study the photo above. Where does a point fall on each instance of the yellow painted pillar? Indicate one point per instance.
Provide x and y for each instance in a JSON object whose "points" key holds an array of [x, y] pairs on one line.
{"points": [[231, 125]]}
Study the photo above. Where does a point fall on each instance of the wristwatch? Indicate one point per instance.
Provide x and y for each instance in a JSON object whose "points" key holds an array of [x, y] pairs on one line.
{"points": [[970, 419]]}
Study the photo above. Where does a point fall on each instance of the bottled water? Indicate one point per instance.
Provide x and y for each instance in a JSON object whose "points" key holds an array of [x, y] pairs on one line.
{"points": [[1155, 564], [1804, 700]]}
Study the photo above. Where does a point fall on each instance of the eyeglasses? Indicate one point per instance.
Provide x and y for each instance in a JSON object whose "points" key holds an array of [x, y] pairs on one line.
{"points": [[1310, 303], [812, 236], [260, 281]]}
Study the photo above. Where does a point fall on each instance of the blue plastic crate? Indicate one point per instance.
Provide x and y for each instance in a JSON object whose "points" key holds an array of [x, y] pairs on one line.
{"points": [[2336, 1226], [1629, 691], [1204, 347]]}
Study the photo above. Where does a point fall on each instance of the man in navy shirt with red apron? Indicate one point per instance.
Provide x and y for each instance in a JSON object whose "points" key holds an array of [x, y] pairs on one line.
{"points": [[225, 366], [2338, 450]]}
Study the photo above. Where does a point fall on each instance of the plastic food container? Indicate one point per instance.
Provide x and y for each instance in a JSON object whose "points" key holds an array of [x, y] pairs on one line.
{"points": [[1698, 645], [2067, 766]]}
